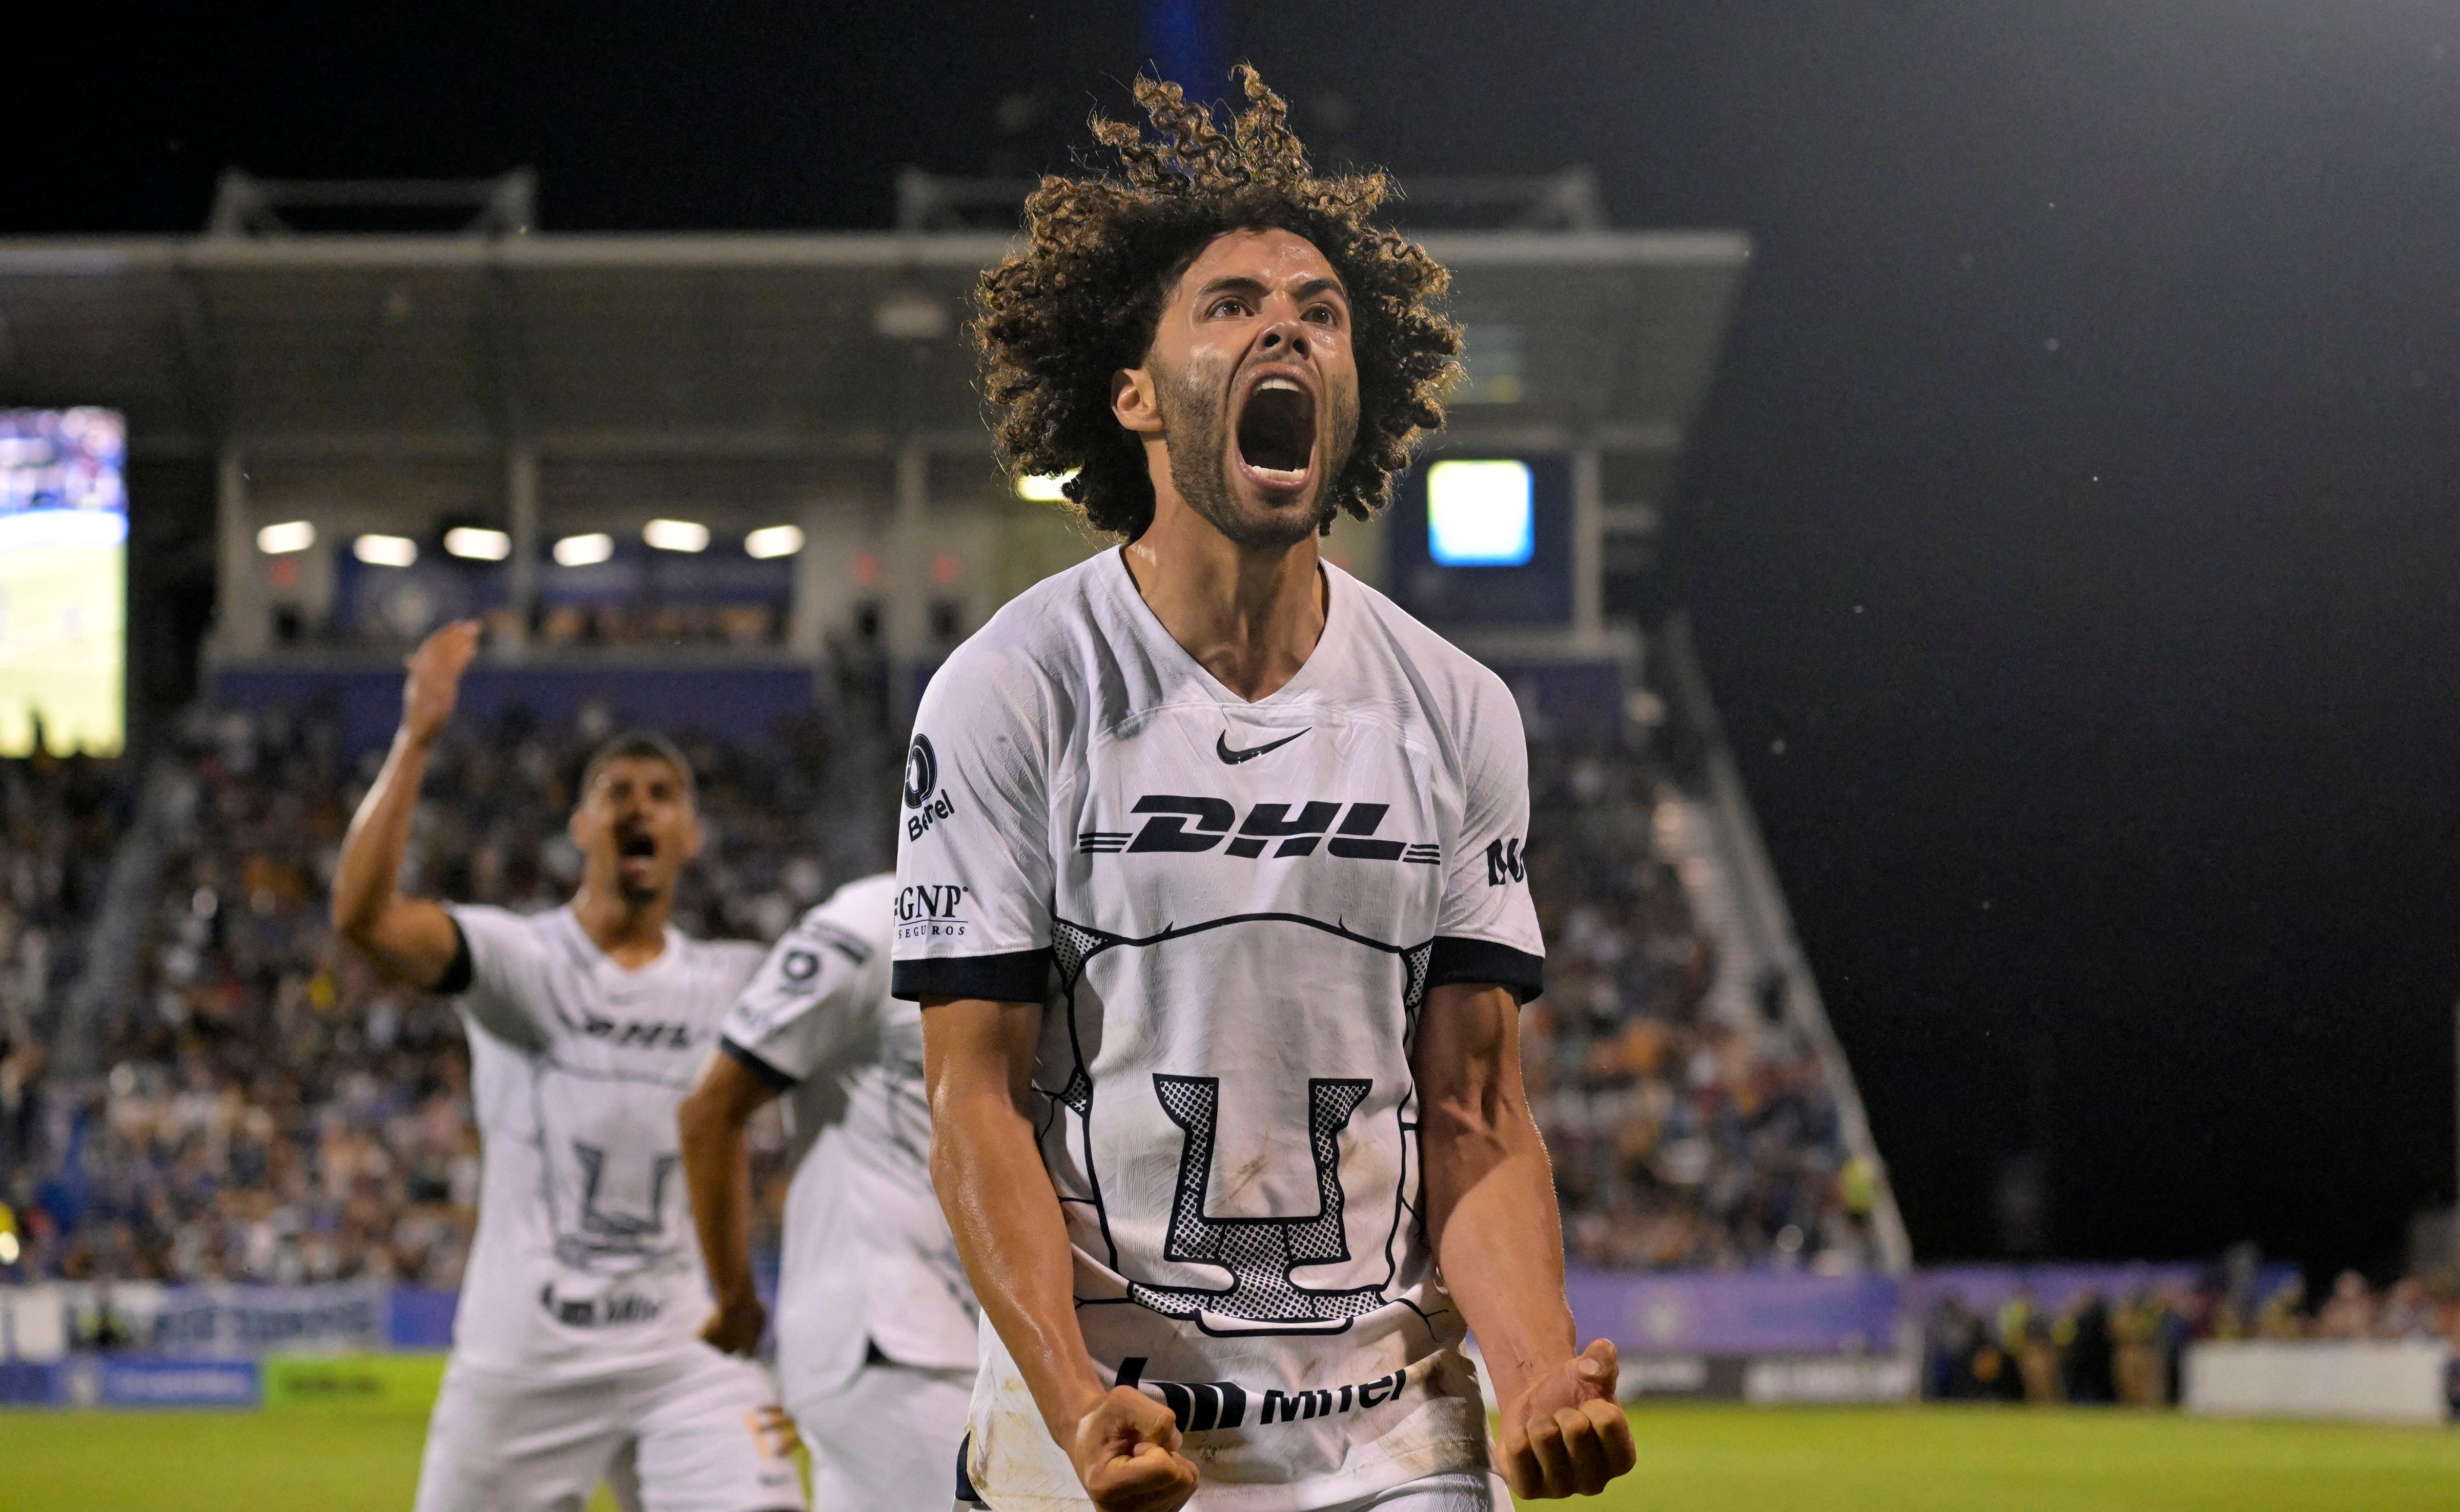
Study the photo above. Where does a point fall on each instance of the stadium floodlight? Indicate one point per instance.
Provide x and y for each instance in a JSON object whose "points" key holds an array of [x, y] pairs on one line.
{"points": [[478, 544], [385, 551], [1044, 488], [774, 540], [291, 536], [1481, 514], [584, 550], [676, 535]]}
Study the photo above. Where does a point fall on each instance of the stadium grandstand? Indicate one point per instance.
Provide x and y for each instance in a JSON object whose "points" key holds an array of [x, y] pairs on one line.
{"points": [[737, 488]]}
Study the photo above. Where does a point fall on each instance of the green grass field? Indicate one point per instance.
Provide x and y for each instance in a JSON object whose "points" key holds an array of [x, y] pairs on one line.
{"points": [[1710, 1459]]}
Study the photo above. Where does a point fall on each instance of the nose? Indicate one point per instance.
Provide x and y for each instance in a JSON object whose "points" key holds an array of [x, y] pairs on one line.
{"points": [[1281, 338]]}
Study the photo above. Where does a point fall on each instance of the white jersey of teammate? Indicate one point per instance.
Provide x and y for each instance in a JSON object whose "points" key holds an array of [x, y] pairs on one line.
{"points": [[584, 1259], [1243, 906], [576, 1351], [869, 1262]]}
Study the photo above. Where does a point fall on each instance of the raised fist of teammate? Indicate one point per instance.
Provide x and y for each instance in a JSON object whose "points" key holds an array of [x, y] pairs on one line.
{"points": [[434, 682], [1567, 1434], [1126, 1452], [736, 1326]]}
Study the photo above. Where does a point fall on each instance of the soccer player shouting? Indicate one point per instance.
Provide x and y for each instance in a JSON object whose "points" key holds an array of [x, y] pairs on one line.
{"points": [[575, 1353], [1232, 1190]]}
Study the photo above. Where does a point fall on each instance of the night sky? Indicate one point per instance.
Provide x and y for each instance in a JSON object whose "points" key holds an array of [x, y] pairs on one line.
{"points": [[2071, 530]]}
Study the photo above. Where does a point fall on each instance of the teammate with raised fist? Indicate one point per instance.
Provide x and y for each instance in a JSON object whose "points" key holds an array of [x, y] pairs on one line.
{"points": [[1219, 989], [576, 1355]]}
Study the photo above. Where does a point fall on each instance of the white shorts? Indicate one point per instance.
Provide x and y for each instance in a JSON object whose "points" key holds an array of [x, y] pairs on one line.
{"points": [[702, 1435], [888, 1441], [1454, 1491]]}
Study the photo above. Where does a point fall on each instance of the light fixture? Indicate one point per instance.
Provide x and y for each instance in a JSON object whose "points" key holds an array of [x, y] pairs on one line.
{"points": [[385, 551], [1480, 513], [478, 544], [676, 535], [291, 536], [909, 315], [774, 540], [584, 550], [1044, 488]]}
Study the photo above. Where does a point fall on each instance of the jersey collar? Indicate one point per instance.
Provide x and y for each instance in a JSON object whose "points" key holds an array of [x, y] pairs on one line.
{"points": [[1337, 591]]}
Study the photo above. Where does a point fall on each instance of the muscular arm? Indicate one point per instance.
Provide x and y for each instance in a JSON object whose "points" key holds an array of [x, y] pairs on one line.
{"points": [[1498, 1239], [717, 1172], [978, 1060], [411, 939]]}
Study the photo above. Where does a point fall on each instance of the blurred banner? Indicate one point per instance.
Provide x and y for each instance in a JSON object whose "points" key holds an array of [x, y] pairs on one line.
{"points": [[1738, 1314]]}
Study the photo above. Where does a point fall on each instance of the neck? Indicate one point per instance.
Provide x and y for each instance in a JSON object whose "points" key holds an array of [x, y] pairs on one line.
{"points": [[632, 934], [1250, 615]]}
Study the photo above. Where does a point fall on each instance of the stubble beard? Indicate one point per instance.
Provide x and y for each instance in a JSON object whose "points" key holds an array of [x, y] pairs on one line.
{"points": [[1200, 461]]}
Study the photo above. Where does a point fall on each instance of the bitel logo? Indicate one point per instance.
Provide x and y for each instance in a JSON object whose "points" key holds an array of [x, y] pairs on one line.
{"points": [[921, 772], [923, 793]]}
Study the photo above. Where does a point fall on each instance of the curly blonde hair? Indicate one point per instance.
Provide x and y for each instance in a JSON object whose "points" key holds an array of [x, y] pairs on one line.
{"points": [[1082, 300]]}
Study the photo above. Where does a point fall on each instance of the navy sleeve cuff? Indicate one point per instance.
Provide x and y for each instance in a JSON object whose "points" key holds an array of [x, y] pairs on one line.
{"points": [[1017, 977], [1453, 961], [768, 1075], [463, 971]]}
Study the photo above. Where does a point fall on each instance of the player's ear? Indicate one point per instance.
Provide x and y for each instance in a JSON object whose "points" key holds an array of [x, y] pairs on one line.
{"points": [[1133, 401]]}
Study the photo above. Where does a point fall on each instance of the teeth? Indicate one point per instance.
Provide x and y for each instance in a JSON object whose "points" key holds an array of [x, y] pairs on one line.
{"points": [[1278, 383], [1293, 477]]}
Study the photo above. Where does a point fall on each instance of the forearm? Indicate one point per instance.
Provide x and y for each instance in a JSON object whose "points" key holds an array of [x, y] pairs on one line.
{"points": [[717, 1173], [1014, 1240], [1498, 1236], [367, 874]]}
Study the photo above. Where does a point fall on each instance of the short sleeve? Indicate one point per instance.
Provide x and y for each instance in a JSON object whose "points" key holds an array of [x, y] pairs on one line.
{"points": [[505, 974], [1487, 932], [974, 872], [816, 999]]}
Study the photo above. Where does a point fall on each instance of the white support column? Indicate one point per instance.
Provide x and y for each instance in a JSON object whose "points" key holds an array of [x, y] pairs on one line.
{"points": [[522, 516], [1588, 543], [243, 625], [905, 574], [820, 570]]}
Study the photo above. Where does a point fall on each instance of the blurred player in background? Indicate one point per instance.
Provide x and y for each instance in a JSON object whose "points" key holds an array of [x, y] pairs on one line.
{"points": [[876, 1325], [1233, 1197], [576, 1354]]}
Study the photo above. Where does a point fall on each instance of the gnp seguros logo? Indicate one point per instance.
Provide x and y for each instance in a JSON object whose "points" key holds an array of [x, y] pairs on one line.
{"points": [[926, 800]]}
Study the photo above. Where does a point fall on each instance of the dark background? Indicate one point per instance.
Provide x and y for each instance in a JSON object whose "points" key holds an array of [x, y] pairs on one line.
{"points": [[2071, 531]]}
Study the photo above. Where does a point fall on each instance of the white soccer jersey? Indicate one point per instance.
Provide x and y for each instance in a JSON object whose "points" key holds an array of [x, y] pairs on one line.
{"points": [[869, 1260], [585, 1260], [1242, 907]]}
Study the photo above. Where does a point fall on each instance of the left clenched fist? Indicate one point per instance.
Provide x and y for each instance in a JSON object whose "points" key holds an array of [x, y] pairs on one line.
{"points": [[1567, 1434]]}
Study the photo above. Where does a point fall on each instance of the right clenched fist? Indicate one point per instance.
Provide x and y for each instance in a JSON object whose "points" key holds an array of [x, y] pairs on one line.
{"points": [[1127, 1453], [434, 682]]}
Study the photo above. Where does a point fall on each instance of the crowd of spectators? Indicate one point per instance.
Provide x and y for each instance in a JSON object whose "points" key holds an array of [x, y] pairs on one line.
{"points": [[273, 1111], [57, 820], [1691, 1123], [2128, 1349]]}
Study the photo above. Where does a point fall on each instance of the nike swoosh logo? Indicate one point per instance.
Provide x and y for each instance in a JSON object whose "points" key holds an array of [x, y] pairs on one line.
{"points": [[1232, 758]]}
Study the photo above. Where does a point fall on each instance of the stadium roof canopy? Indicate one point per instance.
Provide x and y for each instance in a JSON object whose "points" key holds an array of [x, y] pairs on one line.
{"points": [[718, 347]]}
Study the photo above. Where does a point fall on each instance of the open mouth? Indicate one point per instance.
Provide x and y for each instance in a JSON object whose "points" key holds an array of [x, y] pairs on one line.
{"points": [[636, 848], [1277, 432]]}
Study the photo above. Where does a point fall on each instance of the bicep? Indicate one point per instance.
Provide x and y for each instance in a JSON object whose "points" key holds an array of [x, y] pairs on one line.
{"points": [[415, 941], [727, 1093], [975, 1050], [1468, 1056]]}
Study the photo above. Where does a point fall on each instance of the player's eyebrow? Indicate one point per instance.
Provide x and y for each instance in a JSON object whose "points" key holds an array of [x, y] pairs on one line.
{"points": [[1242, 283]]}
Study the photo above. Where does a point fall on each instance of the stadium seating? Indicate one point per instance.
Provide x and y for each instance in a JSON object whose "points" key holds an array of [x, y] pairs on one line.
{"points": [[273, 1112]]}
